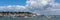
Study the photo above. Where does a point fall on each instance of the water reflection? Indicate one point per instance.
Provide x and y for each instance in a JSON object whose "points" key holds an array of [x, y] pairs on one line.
{"points": [[32, 18]]}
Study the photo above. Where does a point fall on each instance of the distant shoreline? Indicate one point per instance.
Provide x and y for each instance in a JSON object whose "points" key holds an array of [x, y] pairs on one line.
{"points": [[18, 14]]}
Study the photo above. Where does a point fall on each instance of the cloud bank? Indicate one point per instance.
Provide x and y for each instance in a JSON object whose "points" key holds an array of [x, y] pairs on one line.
{"points": [[36, 6]]}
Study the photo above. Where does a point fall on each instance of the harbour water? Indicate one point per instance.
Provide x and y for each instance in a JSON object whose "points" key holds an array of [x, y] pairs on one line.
{"points": [[32, 18]]}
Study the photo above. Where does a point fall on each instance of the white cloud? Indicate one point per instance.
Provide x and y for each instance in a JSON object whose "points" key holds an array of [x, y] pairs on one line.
{"points": [[42, 5], [11, 8], [56, 6], [38, 4]]}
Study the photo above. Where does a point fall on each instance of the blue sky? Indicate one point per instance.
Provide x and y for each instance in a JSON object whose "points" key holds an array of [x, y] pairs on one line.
{"points": [[16, 2], [58, 1], [12, 2]]}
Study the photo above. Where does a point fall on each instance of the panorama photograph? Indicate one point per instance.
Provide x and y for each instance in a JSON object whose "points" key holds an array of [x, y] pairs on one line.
{"points": [[29, 9]]}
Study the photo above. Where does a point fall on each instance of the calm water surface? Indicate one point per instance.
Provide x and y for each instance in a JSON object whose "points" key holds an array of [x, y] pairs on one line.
{"points": [[32, 18]]}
